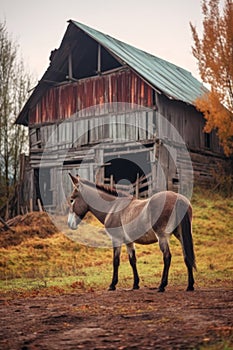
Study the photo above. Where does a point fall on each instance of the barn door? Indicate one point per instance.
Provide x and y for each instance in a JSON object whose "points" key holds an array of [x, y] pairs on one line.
{"points": [[167, 170], [42, 185]]}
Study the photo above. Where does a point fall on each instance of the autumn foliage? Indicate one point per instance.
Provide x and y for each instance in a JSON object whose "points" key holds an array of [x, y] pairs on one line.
{"points": [[214, 52]]}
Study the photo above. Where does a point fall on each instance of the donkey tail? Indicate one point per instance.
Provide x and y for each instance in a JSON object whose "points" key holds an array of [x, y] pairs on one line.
{"points": [[186, 233]]}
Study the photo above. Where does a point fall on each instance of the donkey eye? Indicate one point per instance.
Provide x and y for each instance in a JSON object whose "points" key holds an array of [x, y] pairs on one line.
{"points": [[71, 201]]}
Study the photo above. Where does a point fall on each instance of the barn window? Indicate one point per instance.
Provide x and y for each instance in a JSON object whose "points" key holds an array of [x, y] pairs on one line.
{"points": [[43, 185], [35, 138], [38, 137]]}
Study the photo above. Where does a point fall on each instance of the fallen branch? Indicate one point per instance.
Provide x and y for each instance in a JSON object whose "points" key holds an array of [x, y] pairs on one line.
{"points": [[5, 225]]}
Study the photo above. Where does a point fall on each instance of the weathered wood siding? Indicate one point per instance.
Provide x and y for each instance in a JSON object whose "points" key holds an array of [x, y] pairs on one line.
{"points": [[63, 101], [189, 123], [78, 132], [206, 157]]}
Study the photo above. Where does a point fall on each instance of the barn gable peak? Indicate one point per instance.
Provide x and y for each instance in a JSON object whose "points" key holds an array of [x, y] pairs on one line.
{"points": [[85, 52]]}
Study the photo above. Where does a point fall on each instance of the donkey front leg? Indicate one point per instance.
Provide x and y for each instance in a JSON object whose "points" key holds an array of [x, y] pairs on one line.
{"points": [[116, 263], [133, 261], [163, 244]]}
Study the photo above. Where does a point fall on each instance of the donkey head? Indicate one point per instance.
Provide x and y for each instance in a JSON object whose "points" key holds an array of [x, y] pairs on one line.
{"points": [[78, 207]]}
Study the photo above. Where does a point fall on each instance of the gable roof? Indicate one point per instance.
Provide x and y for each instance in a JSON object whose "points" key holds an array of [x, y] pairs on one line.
{"points": [[165, 77], [173, 81]]}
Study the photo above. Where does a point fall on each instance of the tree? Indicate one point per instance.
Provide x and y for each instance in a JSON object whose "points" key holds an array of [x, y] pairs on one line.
{"points": [[214, 53], [14, 86]]}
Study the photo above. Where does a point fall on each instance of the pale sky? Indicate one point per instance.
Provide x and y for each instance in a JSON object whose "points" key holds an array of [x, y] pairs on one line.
{"points": [[158, 27]]}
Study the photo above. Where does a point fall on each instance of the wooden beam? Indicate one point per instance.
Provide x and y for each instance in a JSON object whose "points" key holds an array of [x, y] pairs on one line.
{"points": [[137, 187], [118, 69], [111, 181], [70, 68], [39, 205], [99, 60], [5, 225]]}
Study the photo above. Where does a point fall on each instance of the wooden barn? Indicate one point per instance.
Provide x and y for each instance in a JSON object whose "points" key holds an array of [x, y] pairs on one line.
{"points": [[114, 113]]}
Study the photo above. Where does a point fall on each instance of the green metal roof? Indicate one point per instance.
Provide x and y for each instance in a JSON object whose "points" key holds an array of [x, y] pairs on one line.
{"points": [[173, 81], [165, 77]]}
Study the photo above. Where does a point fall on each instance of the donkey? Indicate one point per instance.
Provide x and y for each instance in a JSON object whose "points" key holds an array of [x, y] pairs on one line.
{"points": [[128, 220]]}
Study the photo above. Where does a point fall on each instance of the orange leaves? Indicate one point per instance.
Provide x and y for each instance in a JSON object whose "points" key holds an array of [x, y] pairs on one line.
{"points": [[217, 117], [214, 52]]}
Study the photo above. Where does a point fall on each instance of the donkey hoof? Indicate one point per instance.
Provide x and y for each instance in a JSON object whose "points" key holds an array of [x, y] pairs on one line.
{"points": [[161, 290], [190, 289], [111, 288], [136, 286]]}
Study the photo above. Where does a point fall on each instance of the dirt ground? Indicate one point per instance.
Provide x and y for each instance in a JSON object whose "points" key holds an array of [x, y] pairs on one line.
{"points": [[123, 319]]}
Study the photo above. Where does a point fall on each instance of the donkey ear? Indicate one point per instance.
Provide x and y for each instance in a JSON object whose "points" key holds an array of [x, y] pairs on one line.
{"points": [[74, 179]]}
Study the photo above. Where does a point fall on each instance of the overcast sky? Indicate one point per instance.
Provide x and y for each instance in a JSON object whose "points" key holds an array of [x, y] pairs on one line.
{"points": [[159, 27]]}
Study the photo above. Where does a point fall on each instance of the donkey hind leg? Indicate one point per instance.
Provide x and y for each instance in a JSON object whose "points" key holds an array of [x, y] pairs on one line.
{"points": [[116, 263], [164, 247], [190, 287], [133, 263], [178, 235]]}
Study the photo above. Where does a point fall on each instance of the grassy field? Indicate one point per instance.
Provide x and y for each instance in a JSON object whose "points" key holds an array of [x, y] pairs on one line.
{"points": [[54, 263]]}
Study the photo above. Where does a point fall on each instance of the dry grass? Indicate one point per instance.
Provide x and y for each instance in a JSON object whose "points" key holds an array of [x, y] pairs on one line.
{"points": [[38, 257]]}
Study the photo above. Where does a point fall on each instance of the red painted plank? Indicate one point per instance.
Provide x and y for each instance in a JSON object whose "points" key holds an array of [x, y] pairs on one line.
{"points": [[63, 101]]}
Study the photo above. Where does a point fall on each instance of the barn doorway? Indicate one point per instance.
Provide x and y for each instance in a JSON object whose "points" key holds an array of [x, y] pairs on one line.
{"points": [[126, 169], [42, 186]]}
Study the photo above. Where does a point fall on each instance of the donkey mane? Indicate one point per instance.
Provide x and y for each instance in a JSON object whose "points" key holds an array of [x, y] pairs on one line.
{"points": [[107, 189]]}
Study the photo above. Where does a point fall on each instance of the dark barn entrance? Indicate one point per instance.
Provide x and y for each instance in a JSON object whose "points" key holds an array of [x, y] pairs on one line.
{"points": [[127, 169], [42, 184]]}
